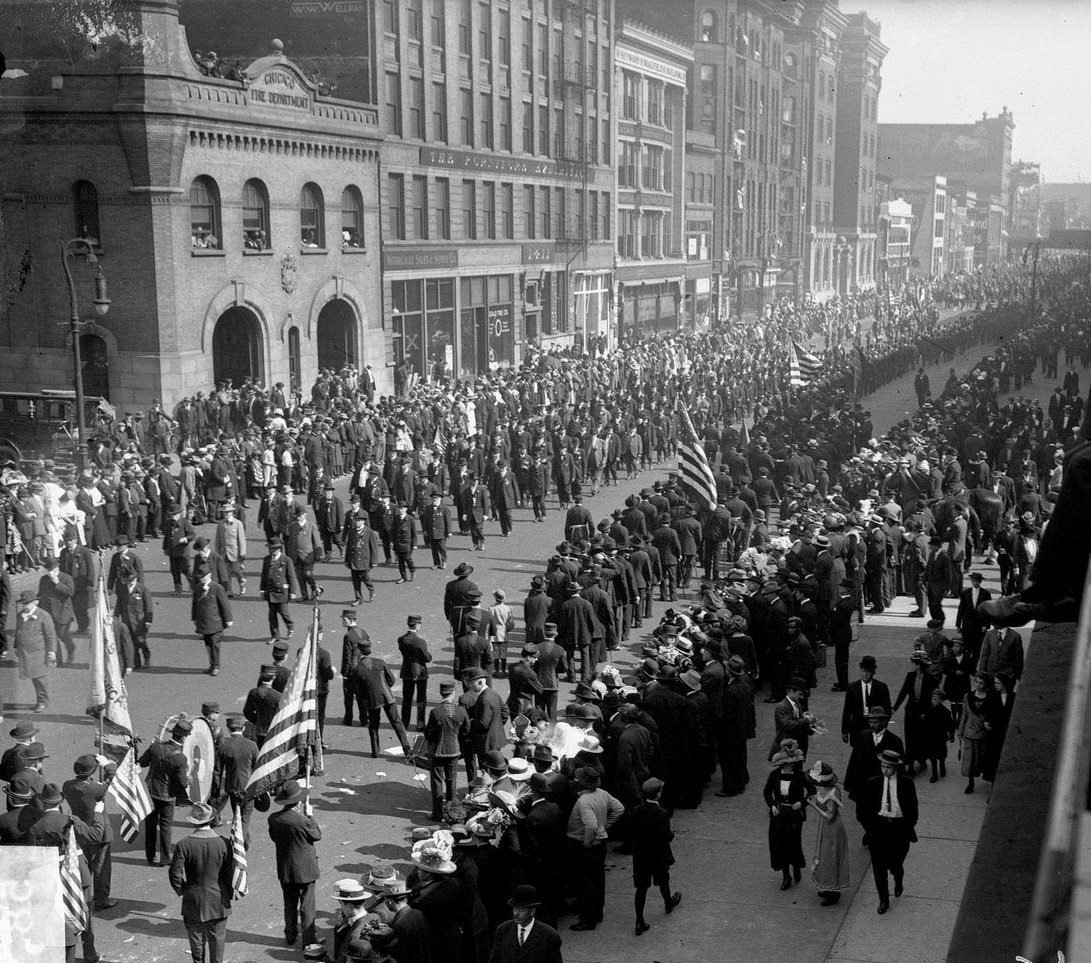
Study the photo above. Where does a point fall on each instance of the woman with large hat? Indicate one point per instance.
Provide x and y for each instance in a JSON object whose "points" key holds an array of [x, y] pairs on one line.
{"points": [[830, 872], [786, 796], [437, 894]]}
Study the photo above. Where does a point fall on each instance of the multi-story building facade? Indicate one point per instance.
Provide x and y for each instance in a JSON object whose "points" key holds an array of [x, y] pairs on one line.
{"points": [[927, 196], [497, 192], [855, 211], [976, 156], [958, 246], [895, 244], [1024, 205], [235, 219], [650, 74], [702, 292], [816, 50]]}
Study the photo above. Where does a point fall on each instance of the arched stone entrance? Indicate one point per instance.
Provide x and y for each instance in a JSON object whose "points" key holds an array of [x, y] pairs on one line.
{"points": [[237, 349], [95, 361], [337, 335]]}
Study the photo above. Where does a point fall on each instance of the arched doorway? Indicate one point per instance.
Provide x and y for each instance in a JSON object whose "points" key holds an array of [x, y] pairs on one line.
{"points": [[237, 347], [95, 362], [337, 335]]}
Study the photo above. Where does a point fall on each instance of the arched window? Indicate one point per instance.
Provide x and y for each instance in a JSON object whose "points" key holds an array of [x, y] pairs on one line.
{"points": [[85, 207], [709, 27], [312, 226], [352, 218], [204, 214], [255, 216]]}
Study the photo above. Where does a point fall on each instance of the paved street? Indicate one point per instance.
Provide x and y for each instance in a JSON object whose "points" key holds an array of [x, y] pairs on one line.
{"points": [[367, 807]]}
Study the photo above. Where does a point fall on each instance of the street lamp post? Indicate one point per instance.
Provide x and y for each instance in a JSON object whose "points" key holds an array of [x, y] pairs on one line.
{"points": [[70, 249]]}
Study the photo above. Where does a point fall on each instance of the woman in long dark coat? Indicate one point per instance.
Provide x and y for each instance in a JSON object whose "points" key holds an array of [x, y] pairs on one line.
{"points": [[786, 796], [916, 693]]}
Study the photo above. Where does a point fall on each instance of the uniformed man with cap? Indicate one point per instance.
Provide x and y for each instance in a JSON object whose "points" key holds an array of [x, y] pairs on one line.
{"points": [[281, 672], [83, 794], [447, 727], [168, 782], [403, 538], [279, 586], [350, 653], [414, 671]]}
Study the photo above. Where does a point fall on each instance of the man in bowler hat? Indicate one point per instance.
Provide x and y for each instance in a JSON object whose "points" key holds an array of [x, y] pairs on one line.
{"points": [[524, 939], [294, 834]]}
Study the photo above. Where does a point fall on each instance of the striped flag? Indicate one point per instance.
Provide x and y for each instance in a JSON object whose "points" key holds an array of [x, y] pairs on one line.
{"points": [[238, 852], [75, 906], [693, 462], [294, 727], [439, 443], [108, 697], [131, 796], [803, 367]]}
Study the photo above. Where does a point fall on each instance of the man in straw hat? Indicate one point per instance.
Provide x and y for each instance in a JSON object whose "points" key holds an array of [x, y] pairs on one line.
{"points": [[524, 939], [200, 872], [352, 914], [888, 812], [294, 834]]}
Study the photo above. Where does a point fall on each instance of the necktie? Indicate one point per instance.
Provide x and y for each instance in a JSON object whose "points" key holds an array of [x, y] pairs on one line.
{"points": [[887, 808], [522, 935], [867, 692]]}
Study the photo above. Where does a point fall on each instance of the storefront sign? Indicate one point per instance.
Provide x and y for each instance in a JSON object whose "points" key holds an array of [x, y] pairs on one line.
{"points": [[649, 65], [279, 87], [500, 321], [487, 163], [310, 8], [538, 253], [416, 258]]}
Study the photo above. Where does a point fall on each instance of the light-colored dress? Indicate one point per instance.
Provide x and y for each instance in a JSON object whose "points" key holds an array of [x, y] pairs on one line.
{"points": [[830, 871]]}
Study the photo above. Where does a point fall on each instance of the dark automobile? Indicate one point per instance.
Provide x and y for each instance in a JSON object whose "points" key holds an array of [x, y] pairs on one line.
{"points": [[36, 425]]}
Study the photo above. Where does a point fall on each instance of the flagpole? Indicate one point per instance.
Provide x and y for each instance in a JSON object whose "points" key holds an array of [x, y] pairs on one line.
{"points": [[314, 662]]}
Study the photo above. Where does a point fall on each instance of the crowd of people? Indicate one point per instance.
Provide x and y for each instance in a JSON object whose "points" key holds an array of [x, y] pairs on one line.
{"points": [[816, 524]]}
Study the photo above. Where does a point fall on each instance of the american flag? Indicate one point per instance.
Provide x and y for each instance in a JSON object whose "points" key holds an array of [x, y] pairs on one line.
{"points": [[439, 443], [131, 796], [693, 462], [238, 852], [75, 906], [294, 727], [803, 367]]}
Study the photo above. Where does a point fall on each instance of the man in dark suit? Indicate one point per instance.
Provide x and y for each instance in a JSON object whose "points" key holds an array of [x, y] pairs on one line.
{"points": [[178, 536], [83, 794], [236, 756], [168, 782], [524, 688], [279, 585], [866, 747], [665, 539], [403, 536], [888, 813], [409, 925], [436, 526], [200, 872], [791, 718], [294, 834], [51, 828], [414, 671], [689, 539], [447, 727], [524, 939], [475, 510], [80, 563], [350, 655], [329, 513], [262, 703], [968, 620], [550, 665], [458, 597], [123, 563], [10, 763], [352, 916], [211, 613], [372, 681], [488, 715], [861, 695], [134, 607]]}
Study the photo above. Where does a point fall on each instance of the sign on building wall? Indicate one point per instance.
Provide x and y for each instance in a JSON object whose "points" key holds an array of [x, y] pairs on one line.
{"points": [[418, 258], [487, 163], [649, 65], [311, 8], [279, 87]]}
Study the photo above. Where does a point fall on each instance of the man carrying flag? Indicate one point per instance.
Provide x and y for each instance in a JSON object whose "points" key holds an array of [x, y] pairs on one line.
{"points": [[202, 872], [803, 367], [108, 700], [693, 462], [68, 834]]}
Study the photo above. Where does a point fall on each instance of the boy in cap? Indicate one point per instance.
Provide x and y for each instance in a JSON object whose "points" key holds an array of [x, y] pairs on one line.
{"points": [[652, 854]]}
